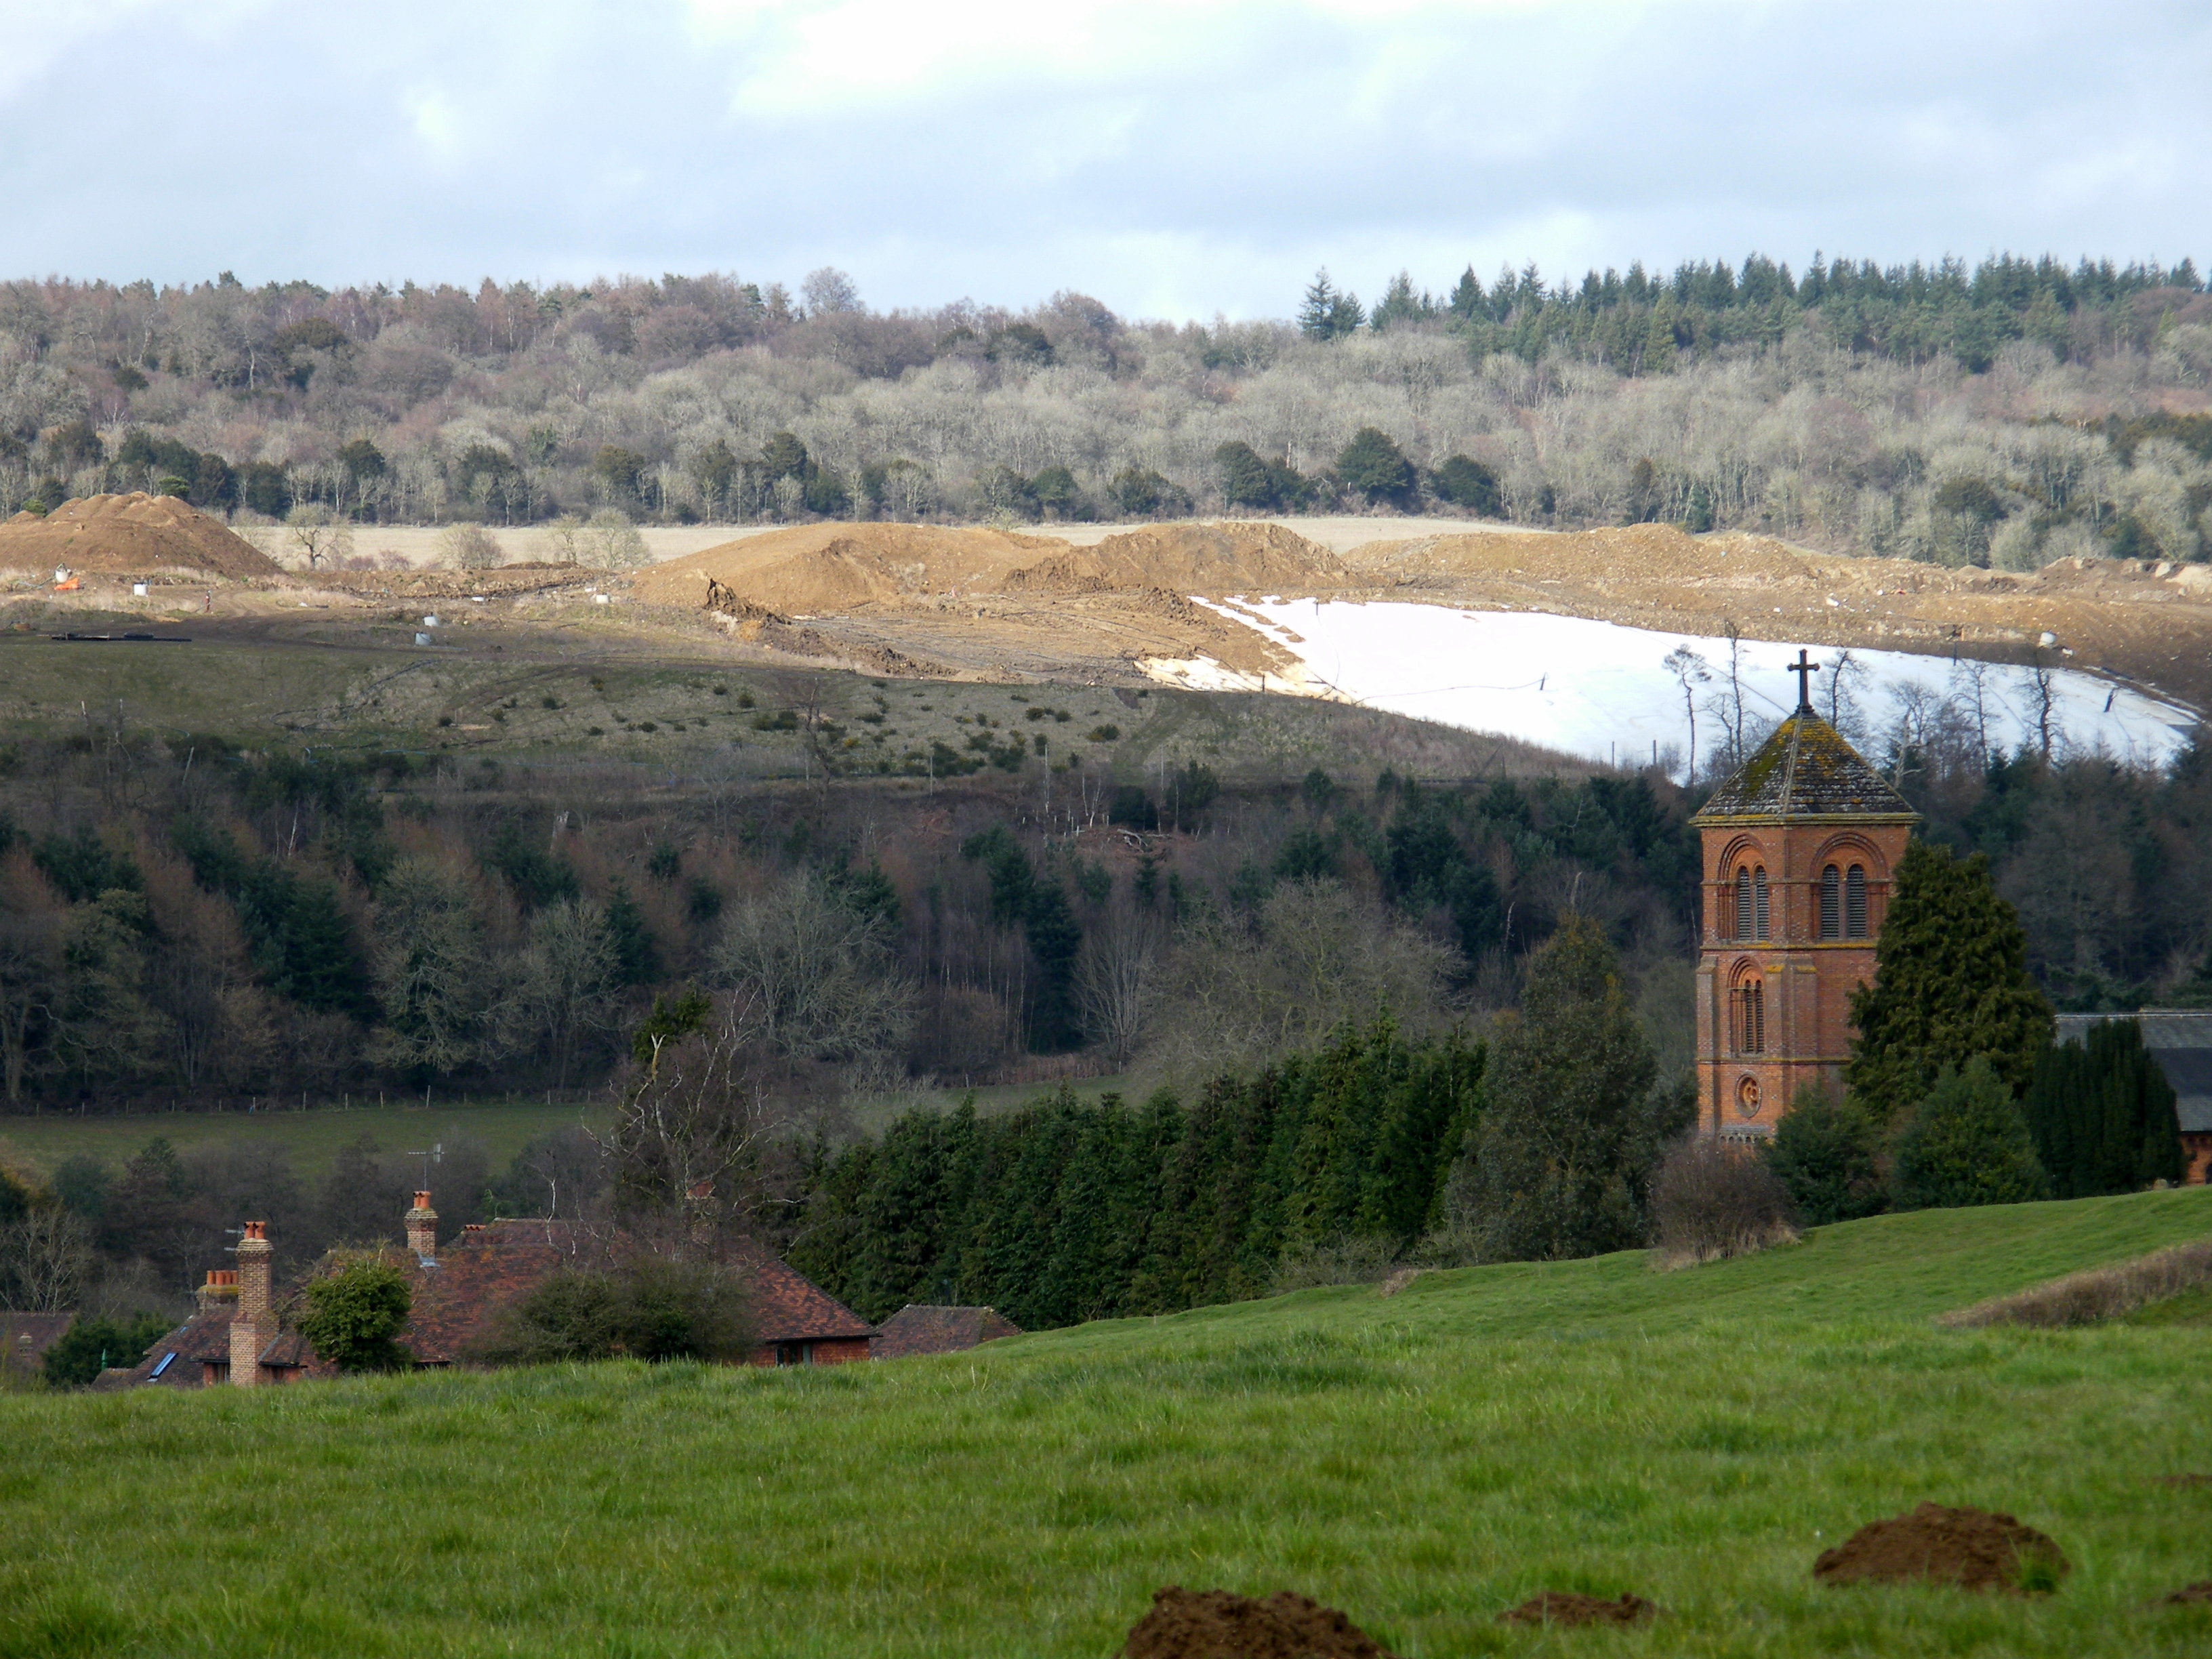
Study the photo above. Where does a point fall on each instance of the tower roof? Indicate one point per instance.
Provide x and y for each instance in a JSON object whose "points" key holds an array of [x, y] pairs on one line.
{"points": [[1806, 773]]}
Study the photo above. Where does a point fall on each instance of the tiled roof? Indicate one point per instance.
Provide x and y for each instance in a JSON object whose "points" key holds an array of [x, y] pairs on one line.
{"points": [[204, 1338], [788, 1307], [478, 1278], [920, 1328], [1806, 771], [487, 1271], [2180, 1040], [43, 1330]]}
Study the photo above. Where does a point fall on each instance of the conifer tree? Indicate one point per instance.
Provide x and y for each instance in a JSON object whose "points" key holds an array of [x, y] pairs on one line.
{"points": [[1951, 982], [2103, 1114], [1823, 1151], [1966, 1143], [1572, 1129]]}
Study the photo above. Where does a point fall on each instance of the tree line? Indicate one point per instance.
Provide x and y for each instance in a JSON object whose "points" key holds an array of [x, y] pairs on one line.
{"points": [[1849, 406]]}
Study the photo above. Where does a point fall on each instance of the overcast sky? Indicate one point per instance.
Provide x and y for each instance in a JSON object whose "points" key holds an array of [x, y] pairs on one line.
{"points": [[1172, 158]]}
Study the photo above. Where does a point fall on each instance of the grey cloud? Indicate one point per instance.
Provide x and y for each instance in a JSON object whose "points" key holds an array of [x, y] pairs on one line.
{"points": [[585, 140]]}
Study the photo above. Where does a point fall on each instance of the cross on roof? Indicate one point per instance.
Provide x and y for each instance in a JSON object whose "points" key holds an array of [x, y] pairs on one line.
{"points": [[1804, 670]]}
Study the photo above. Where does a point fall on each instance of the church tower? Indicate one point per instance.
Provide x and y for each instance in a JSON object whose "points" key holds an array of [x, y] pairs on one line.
{"points": [[1798, 848]]}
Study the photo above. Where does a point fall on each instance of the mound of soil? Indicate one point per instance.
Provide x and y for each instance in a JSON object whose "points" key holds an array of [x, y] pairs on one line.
{"points": [[1973, 1549], [133, 535], [2198, 1594], [1567, 1608], [815, 570], [1193, 558], [1216, 1625]]}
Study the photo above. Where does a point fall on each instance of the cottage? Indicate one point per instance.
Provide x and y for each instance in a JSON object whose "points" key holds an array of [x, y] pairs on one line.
{"points": [[236, 1336], [490, 1268], [920, 1327]]}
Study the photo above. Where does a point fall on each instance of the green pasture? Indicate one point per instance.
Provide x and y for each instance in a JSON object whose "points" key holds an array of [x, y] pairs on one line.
{"points": [[39, 1142], [1421, 1461]]}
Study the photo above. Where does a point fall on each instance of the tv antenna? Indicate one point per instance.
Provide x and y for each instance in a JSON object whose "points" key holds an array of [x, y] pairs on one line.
{"points": [[436, 1154]]}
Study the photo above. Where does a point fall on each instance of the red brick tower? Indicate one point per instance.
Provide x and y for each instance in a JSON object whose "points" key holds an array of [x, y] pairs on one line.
{"points": [[1798, 849]]}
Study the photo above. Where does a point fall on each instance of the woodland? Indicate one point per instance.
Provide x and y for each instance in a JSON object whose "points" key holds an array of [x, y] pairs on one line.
{"points": [[2008, 414]]}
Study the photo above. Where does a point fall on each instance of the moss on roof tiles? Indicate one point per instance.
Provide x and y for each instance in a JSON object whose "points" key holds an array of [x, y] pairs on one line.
{"points": [[1805, 770]]}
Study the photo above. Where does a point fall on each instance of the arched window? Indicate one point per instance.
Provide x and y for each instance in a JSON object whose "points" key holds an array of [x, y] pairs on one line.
{"points": [[1758, 902], [1741, 924], [1831, 902], [1855, 915], [1747, 1018]]}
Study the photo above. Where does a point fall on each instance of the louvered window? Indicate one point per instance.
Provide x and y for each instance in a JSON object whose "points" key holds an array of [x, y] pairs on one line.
{"points": [[1855, 912], [1750, 1020], [1831, 902], [1758, 903], [1741, 928]]}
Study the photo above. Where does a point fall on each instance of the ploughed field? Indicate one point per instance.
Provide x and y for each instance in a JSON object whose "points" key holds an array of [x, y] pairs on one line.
{"points": [[1422, 1463]]}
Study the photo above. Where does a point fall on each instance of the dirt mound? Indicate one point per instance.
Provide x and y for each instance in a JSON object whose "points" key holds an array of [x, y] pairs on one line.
{"points": [[822, 569], [133, 535], [1216, 1625], [1196, 558], [1567, 1608], [2198, 1594], [1973, 1549]]}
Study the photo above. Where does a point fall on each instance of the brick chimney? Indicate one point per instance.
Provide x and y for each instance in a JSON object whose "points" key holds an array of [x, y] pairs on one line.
{"points": [[252, 1327], [222, 1288], [423, 1231]]}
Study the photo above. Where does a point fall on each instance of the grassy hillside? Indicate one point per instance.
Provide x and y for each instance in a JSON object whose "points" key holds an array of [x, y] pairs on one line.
{"points": [[1421, 1461]]}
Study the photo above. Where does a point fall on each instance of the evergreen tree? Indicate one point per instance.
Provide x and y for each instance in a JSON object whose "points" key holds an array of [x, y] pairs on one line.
{"points": [[1246, 480], [1824, 1153], [1372, 466], [1951, 982], [1967, 1143], [2103, 1114], [1572, 1130], [1317, 312], [637, 959]]}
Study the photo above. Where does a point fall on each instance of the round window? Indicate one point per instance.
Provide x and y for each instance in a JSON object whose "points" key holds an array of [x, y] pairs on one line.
{"points": [[1746, 1097]]}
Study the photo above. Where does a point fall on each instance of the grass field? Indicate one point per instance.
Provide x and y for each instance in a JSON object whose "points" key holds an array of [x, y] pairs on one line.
{"points": [[1421, 1462], [39, 1143]]}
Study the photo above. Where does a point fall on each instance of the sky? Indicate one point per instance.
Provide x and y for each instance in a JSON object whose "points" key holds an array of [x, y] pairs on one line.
{"points": [[1174, 159]]}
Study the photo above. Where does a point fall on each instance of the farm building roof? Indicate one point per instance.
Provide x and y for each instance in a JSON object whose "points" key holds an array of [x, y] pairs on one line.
{"points": [[1806, 771], [2180, 1040], [918, 1327], [489, 1269]]}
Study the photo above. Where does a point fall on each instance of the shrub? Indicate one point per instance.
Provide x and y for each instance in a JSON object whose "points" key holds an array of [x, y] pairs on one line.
{"points": [[1823, 1153], [1709, 1202], [1365, 1260], [1967, 1143], [1470, 484], [644, 1308], [1141, 492], [2100, 1294], [1371, 466], [76, 1358], [353, 1309], [469, 547]]}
